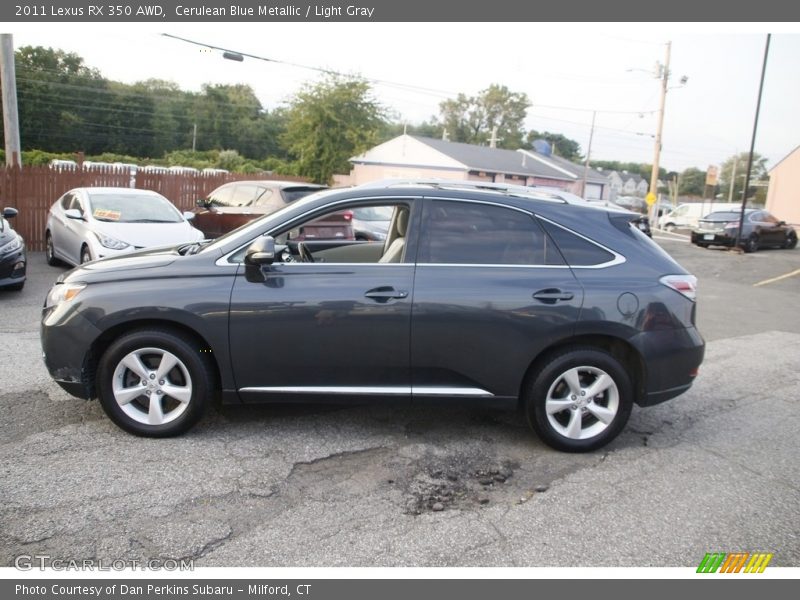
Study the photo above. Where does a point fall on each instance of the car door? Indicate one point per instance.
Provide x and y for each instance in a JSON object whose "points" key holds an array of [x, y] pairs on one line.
{"points": [[330, 329], [71, 231], [774, 234], [490, 291]]}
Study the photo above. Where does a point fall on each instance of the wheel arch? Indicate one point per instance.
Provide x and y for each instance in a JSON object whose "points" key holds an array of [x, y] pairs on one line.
{"points": [[104, 340], [619, 348]]}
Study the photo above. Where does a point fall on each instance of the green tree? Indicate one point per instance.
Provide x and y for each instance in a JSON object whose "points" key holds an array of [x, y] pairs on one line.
{"points": [[330, 121], [472, 119], [562, 145], [737, 164], [692, 182]]}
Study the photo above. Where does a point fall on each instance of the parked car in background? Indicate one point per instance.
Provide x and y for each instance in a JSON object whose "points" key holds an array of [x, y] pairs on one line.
{"points": [[564, 310], [371, 223], [90, 223], [233, 204], [688, 214], [641, 220], [13, 260], [759, 230], [633, 203]]}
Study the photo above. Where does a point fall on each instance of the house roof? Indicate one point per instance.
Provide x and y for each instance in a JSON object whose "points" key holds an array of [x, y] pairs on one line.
{"points": [[514, 162]]}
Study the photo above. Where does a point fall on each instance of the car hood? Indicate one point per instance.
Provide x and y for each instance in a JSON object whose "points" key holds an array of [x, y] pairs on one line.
{"points": [[148, 235], [100, 270]]}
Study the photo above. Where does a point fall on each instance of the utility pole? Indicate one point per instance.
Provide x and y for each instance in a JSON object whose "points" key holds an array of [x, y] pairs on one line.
{"points": [[194, 137], [752, 143], [494, 139], [733, 176], [657, 155], [588, 155], [10, 115]]}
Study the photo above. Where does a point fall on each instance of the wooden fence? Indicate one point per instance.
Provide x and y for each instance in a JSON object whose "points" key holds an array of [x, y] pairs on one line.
{"points": [[32, 190]]}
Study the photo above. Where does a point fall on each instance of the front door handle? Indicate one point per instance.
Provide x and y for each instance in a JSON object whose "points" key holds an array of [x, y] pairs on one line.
{"points": [[552, 295], [385, 293]]}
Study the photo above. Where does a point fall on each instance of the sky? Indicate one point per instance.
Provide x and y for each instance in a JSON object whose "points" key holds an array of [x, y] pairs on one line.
{"points": [[567, 70]]}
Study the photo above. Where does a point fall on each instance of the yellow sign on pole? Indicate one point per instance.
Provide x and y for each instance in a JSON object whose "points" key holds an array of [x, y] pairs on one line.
{"points": [[650, 199]]}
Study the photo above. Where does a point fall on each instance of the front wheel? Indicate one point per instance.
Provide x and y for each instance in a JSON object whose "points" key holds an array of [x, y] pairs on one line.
{"points": [[49, 251], [580, 400], [791, 241], [154, 383]]}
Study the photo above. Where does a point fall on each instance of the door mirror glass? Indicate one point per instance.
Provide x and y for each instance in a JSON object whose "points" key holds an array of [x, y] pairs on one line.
{"points": [[9, 213], [261, 251]]}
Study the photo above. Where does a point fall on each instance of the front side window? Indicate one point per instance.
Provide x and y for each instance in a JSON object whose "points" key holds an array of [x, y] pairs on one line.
{"points": [[482, 234], [246, 195], [221, 196]]}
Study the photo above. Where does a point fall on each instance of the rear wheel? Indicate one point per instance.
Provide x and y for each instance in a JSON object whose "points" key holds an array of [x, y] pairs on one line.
{"points": [[580, 400], [670, 227], [154, 383], [751, 243]]}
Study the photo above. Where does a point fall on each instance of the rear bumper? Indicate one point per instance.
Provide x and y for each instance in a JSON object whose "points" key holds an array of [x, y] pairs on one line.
{"points": [[712, 238], [672, 358]]}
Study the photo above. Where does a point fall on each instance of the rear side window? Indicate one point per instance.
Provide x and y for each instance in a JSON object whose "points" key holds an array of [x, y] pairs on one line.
{"points": [[577, 251], [482, 234]]}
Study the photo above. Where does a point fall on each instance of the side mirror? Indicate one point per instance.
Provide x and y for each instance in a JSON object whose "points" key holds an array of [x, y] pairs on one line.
{"points": [[9, 213], [781, 223], [188, 215], [261, 251], [73, 213]]}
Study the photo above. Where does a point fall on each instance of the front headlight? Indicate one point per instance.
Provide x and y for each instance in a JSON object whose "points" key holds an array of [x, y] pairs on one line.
{"points": [[63, 292], [12, 246], [109, 242]]}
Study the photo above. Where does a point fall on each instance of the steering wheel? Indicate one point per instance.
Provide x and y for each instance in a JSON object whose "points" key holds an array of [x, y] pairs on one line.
{"points": [[305, 255]]}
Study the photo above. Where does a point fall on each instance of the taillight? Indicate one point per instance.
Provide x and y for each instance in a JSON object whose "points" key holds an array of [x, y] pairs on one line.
{"points": [[683, 284]]}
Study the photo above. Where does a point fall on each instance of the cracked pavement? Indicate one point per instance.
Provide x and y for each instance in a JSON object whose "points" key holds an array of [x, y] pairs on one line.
{"points": [[714, 469]]}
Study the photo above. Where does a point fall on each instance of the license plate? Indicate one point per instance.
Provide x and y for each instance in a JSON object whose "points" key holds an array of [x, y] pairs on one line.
{"points": [[708, 236]]}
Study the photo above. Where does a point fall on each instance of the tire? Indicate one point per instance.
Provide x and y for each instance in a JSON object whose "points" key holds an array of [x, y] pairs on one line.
{"points": [[186, 388], [49, 253], [86, 256], [594, 421], [751, 243], [701, 245], [670, 227], [791, 241]]}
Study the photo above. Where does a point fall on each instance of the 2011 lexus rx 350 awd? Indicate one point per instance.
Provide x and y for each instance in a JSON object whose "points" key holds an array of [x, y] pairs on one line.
{"points": [[479, 293]]}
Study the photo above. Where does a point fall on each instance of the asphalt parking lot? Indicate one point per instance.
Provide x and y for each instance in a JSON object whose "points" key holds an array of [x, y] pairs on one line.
{"points": [[713, 470]]}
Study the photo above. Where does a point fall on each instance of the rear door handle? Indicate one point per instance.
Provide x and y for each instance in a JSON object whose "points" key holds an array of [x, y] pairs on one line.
{"points": [[552, 295], [385, 293]]}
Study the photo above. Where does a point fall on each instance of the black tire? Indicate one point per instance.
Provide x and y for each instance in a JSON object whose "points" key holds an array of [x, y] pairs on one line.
{"points": [[791, 241], [670, 227], [589, 363], [86, 256], [751, 244], [701, 245], [49, 254], [192, 378]]}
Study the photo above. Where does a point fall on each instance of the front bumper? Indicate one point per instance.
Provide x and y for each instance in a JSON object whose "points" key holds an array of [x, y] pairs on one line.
{"points": [[67, 339], [672, 358], [13, 267]]}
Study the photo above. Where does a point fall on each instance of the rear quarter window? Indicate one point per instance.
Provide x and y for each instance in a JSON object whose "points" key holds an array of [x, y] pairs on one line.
{"points": [[577, 251]]}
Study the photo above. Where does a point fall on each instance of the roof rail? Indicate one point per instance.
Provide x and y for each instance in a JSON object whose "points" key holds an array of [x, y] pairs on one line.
{"points": [[456, 184]]}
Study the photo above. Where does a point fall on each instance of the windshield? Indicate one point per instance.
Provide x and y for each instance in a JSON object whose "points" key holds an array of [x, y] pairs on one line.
{"points": [[373, 213], [133, 208]]}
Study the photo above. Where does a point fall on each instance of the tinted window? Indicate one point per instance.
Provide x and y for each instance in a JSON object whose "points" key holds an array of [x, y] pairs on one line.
{"points": [[295, 193], [577, 251], [722, 215], [467, 233]]}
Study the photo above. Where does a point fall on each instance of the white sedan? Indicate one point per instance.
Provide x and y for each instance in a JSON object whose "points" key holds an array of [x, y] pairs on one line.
{"points": [[91, 223]]}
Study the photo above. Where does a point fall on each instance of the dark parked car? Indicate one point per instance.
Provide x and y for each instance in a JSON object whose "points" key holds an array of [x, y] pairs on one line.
{"points": [[487, 294], [759, 230], [233, 204], [13, 261]]}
